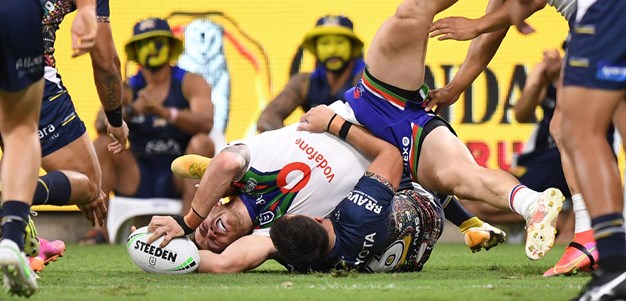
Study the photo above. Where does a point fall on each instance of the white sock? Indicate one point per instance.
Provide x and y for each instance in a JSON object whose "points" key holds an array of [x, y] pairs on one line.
{"points": [[583, 221], [521, 199]]}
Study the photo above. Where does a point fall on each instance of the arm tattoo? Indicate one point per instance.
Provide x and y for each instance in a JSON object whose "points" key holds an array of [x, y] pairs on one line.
{"points": [[112, 93], [380, 179]]}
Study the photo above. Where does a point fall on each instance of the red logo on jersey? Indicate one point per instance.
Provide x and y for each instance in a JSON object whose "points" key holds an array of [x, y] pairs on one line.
{"points": [[357, 93], [297, 171]]}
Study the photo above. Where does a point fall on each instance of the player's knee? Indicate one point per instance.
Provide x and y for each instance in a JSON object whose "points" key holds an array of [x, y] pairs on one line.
{"points": [[422, 9], [447, 178], [408, 12], [573, 134]]}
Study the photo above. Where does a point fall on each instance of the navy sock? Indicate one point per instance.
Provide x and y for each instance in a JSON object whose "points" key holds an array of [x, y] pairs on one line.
{"points": [[53, 188], [14, 218], [610, 237], [453, 210]]}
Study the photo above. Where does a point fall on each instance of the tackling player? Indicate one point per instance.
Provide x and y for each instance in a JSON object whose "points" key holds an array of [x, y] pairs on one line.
{"points": [[68, 156], [310, 175], [390, 102], [371, 229]]}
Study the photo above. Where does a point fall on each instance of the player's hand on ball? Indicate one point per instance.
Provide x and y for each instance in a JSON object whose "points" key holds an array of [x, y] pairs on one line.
{"points": [[164, 226], [181, 256]]}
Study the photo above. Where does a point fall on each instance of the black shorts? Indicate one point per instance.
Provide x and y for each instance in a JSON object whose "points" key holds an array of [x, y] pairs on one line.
{"points": [[59, 124]]}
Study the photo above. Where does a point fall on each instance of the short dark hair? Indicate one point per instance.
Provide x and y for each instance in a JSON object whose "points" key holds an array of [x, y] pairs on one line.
{"points": [[299, 239]]}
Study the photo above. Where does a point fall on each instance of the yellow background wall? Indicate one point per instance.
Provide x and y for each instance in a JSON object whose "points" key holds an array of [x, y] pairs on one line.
{"points": [[279, 25]]}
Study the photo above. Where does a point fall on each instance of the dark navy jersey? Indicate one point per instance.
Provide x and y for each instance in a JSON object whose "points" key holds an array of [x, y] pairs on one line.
{"points": [[152, 135], [398, 239], [360, 222]]}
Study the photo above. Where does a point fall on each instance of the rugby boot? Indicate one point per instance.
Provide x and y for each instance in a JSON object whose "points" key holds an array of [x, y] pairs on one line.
{"points": [[541, 223], [487, 236], [31, 241], [19, 279], [580, 255], [605, 285], [190, 166], [50, 251]]}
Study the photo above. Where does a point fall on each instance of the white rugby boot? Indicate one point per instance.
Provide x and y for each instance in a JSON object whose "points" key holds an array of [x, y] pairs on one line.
{"points": [[19, 278], [541, 223]]}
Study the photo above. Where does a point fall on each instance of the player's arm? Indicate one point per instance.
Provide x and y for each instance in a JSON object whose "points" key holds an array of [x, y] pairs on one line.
{"points": [[290, 98], [533, 93], [481, 51], [199, 117], [244, 254], [227, 167], [108, 79], [463, 29], [386, 159], [106, 68]]}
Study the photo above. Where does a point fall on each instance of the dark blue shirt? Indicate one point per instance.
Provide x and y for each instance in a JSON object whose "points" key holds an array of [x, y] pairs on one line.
{"points": [[152, 135], [361, 222]]}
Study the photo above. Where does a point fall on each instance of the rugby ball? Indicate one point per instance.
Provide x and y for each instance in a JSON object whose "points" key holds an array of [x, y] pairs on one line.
{"points": [[180, 256]]}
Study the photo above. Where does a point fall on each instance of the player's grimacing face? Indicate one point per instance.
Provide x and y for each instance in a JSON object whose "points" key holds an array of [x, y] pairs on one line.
{"points": [[333, 51], [221, 228]]}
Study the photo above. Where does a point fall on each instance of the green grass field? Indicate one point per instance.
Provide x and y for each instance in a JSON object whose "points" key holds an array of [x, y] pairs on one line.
{"points": [[452, 273]]}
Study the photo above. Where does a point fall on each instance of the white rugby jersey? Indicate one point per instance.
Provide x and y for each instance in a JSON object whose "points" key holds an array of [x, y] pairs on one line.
{"points": [[297, 172]]}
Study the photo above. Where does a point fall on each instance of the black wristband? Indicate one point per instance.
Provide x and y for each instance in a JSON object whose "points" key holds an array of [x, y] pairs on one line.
{"points": [[343, 132], [114, 116], [181, 221], [331, 121]]}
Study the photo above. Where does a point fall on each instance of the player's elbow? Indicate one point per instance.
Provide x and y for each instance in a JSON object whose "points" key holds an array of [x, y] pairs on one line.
{"points": [[421, 9], [521, 117], [105, 62], [231, 162], [262, 125], [269, 121], [106, 71], [206, 125]]}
